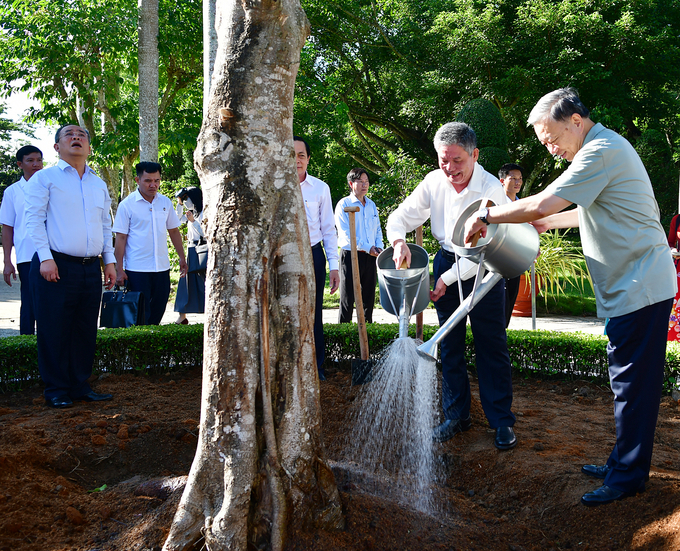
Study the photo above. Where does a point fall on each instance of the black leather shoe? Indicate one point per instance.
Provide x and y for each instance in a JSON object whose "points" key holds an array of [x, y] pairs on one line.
{"points": [[604, 495], [505, 438], [595, 471], [449, 428], [60, 402], [93, 397]]}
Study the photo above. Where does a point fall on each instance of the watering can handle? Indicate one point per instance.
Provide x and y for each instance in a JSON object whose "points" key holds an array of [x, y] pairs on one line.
{"points": [[475, 237]]}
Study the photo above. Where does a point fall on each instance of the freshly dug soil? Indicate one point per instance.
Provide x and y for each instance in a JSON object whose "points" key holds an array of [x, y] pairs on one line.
{"points": [[109, 476]]}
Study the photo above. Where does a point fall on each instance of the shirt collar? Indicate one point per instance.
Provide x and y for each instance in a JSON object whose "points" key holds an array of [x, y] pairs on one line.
{"points": [[63, 165], [592, 133]]}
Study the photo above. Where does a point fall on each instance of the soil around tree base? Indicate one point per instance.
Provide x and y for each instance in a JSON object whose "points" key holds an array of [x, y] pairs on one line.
{"points": [[109, 476]]}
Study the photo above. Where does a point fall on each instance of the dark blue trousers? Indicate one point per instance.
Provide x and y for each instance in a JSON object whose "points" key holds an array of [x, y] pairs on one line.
{"points": [[26, 316], [494, 372], [155, 286], [66, 314], [320, 277], [636, 351]]}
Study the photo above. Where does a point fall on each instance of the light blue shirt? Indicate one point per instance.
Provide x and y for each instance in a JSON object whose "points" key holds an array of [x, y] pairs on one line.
{"points": [[623, 241], [69, 214], [145, 224], [12, 214], [366, 222]]}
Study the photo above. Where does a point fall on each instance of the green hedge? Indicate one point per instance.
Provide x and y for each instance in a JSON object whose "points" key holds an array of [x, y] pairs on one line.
{"points": [[156, 349]]}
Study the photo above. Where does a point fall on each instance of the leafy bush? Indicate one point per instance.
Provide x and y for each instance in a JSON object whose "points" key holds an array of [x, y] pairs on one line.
{"points": [[155, 349], [487, 122]]}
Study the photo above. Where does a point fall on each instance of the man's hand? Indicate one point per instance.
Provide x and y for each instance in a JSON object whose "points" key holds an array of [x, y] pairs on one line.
{"points": [[401, 253], [8, 272], [110, 275], [541, 225], [190, 215], [375, 251], [439, 290], [183, 267], [49, 270], [121, 276], [472, 226], [334, 280]]}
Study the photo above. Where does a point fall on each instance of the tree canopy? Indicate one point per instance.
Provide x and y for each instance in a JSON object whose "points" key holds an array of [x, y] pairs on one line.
{"points": [[79, 59], [380, 76]]}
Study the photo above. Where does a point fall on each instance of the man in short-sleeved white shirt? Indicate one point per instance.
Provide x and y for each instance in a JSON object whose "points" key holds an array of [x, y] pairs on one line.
{"points": [[141, 248], [14, 234], [630, 264]]}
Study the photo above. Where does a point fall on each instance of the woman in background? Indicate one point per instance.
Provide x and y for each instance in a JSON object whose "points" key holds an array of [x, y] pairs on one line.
{"points": [[190, 297], [673, 241]]}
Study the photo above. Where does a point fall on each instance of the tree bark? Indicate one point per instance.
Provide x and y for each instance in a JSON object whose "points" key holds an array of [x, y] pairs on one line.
{"points": [[148, 80], [259, 469]]}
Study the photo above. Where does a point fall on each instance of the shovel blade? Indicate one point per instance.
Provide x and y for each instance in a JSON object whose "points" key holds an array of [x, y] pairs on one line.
{"points": [[362, 372]]}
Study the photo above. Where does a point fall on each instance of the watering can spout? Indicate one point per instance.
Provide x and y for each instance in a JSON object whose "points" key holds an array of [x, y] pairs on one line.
{"points": [[428, 350]]}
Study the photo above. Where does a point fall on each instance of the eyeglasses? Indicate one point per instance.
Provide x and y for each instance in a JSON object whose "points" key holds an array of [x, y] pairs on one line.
{"points": [[73, 133]]}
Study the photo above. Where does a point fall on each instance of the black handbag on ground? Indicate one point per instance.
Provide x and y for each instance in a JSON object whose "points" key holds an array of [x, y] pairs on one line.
{"points": [[122, 308], [198, 257]]}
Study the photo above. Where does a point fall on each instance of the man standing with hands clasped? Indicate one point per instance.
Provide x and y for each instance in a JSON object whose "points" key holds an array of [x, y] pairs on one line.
{"points": [[67, 216], [369, 246], [442, 196], [140, 225], [630, 264], [317, 197]]}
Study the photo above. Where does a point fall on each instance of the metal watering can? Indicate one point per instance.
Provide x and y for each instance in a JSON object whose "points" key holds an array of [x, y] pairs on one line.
{"points": [[507, 251], [404, 292]]}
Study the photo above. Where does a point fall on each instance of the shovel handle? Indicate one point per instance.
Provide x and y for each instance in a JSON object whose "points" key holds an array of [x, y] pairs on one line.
{"points": [[476, 236]]}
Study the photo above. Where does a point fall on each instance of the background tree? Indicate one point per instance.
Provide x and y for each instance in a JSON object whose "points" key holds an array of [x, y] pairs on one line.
{"points": [[259, 468], [79, 59], [148, 80]]}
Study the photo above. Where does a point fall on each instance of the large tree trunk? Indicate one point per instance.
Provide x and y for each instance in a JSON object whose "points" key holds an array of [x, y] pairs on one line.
{"points": [[259, 469]]}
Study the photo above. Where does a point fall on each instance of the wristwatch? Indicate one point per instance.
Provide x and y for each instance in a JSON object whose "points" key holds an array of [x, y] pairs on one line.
{"points": [[482, 214]]}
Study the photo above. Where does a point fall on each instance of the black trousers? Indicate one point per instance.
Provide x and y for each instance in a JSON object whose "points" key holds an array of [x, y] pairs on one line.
{"points": [[494, 372], [368, 274], [66, 313], [320, 276], [511, 291], [26, 316], [637, 354], [155, 287]]}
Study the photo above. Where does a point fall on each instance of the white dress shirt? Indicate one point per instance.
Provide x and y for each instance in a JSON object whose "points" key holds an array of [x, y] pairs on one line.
{"points": [[69, 214], [12, 214], [366, 221], [435, 198], [317, 197], [146, 225]]}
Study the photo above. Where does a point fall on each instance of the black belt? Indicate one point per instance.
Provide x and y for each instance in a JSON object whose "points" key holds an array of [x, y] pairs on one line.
{"points": [[77, 259], [451, 257], [317, 246]]}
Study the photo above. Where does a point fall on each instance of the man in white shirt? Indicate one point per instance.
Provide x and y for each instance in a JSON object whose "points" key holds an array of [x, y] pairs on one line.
{"points": [[67, 216], [141, 246], [29, 160], [369, 246], [317, 197], [442, 196]]}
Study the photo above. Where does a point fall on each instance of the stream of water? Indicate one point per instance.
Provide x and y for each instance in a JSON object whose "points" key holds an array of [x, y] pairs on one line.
{"points": [[392, 425]]}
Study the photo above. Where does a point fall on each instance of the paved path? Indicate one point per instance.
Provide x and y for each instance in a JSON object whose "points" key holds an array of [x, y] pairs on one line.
{"points": [[10, 303]]}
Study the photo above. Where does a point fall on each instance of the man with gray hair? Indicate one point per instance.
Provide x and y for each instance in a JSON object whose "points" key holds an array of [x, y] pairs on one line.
{"points": [[442, 196], [630, 264]]}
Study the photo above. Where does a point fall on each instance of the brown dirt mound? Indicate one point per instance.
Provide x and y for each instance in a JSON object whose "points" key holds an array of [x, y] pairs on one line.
{"points": [[106, 476]]}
